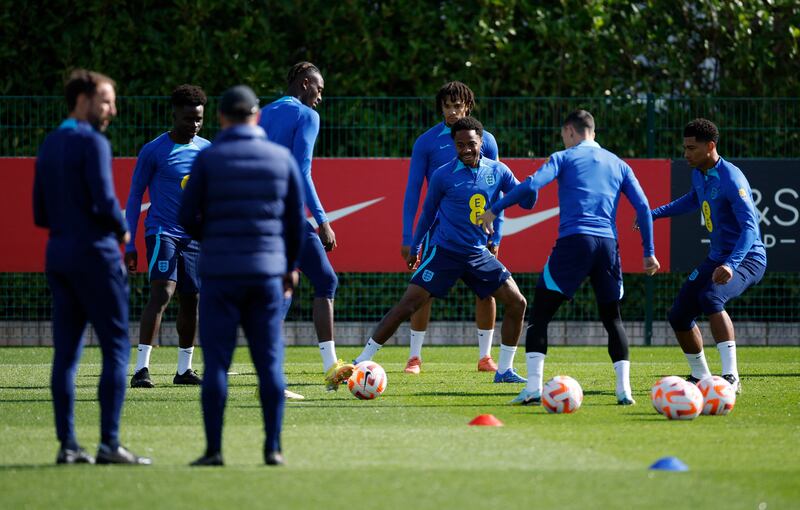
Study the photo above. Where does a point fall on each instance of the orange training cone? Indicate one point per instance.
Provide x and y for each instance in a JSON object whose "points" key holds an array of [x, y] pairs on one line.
{"points": [[486, 420]]}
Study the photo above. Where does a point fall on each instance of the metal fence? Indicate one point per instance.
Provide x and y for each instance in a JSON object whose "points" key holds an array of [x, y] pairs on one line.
{"points": [[645, 126]]}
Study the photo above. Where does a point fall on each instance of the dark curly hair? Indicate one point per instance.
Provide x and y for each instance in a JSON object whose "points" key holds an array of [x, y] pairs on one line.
{"points": [[300, 70], [467, 124], [455, 91], [703, 130], [188, 95]]}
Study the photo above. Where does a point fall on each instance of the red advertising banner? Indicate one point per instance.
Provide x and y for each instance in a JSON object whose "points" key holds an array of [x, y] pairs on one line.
{"points": [[364, 200]]}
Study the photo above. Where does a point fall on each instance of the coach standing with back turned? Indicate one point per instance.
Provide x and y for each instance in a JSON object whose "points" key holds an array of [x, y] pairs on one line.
{"points": [[243, 203]]}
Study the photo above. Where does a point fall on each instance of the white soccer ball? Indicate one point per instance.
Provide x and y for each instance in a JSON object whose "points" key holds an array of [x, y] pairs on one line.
{"points": [[681, 401], [661, 386], [719, 397], [368, 380], [562, 394]]}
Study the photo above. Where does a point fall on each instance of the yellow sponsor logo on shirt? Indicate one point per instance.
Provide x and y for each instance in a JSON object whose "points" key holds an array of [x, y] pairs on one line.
{"points": [[707, 216], [743, 193], [184, 181], [477, 206]]}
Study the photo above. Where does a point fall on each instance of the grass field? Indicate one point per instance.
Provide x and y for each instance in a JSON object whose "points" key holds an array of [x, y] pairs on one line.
{"points": [[412, 448]]}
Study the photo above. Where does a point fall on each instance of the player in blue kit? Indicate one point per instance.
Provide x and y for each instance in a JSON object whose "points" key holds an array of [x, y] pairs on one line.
{"points": [[458, 193], [737, 259], [590, 180], [433, 149], [163, 167], [292, 121], [74, 198]]}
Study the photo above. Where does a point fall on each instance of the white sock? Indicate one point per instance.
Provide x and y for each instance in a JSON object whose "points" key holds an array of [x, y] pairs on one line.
{"points": [[727, 353], [415, 344], [535, 362], [623, 370], [369, 351], [143, 356], [697, 362], [184, 359], [485, 342], [327, 349], [506, 360]]}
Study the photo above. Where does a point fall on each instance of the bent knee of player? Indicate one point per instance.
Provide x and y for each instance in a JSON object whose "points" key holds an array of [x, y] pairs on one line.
{"points": [[679, 320], [326, 284], [711, 302]]}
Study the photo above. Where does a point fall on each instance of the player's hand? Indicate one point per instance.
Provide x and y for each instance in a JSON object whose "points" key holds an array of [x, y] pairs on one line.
{"points": [[488, 221], [722, 274], [651, 265], [494, 249], [125, 238], [404, 251], [412, 261], [290, 281], [327, 236], [636, 224], [131, 261]]}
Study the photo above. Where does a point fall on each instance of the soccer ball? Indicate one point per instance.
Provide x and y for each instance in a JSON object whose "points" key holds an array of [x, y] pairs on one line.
{"points": [[660, 387], [368, 380], [681, 401], [562, 394], [719, 396]]}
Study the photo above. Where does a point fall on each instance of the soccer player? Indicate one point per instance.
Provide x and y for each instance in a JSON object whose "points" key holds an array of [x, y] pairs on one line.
{"points": [[163, 167], [244, 203], [292, 121], [433, 149], [458, 193], [737, 258], [73, 197], [590, 180]]}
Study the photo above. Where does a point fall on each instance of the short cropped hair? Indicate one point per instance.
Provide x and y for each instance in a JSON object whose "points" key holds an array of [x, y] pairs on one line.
{"points": [[82, 81], [455, 91], [580, 120], [703, 130], [188, 95], [301, 70], [467, 124]]}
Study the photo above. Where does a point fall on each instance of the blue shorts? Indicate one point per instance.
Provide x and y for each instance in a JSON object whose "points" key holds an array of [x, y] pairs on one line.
{"points": [[171, 258], [699, 294], [441, 268], [314, 263], [577, 256]]}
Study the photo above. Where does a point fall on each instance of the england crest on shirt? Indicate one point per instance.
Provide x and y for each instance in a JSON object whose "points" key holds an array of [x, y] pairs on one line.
{"points": [[490, 179]]}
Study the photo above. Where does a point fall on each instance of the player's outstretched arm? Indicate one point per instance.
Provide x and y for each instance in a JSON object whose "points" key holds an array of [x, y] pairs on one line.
{"points": [[687, 203], [416, 175], [142, 174]]}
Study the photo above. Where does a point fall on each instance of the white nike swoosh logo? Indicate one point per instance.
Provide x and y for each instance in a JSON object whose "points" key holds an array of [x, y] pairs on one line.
{"points": [[443, 146], [345, 211], [145, 206], [513, 226], [459, 184]]}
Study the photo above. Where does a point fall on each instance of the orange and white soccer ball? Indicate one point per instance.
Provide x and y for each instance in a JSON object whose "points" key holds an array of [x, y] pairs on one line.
{"points": [[368, 380], [660, 387], [681, 401], [562, 394], [719, 397]]}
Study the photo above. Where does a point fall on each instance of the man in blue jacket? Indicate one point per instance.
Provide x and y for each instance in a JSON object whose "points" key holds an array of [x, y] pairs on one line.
{"points": [[737, 259], [244, 203], [73, 197]]}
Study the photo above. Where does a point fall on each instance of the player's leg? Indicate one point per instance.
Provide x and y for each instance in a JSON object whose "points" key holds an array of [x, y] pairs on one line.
{"points": [[261, 322], [486, 276], [162, 272], [606, 278], [69, 322], [682, 315], [219, 318], [188, 288], [712, 303], [485, 316], [105, 298], [419, 322]]}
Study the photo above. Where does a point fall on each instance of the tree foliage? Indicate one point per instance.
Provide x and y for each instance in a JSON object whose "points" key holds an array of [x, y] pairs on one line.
{"points": [[394, 48]]}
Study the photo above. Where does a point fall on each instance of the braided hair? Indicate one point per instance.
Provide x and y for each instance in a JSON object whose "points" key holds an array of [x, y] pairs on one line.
{"points": [[301, 70], [455, 91]]}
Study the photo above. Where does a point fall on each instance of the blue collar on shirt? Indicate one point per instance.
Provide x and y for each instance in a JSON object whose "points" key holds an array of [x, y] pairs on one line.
{"points": [[69, 123], [445, 130], [712, 172], [239, 132], [588, 143], [461, 165]]}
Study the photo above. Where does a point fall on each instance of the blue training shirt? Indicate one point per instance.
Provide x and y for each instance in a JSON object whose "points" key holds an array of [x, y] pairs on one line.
{"points": [[163, 166], [290, 123], [73, 197], [433, 149], [456, 196], [590, 179], [726, 200]]}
